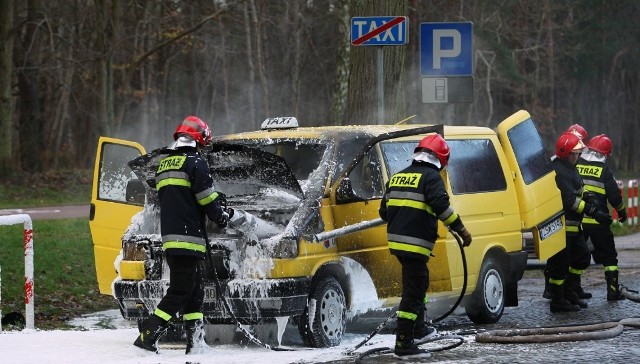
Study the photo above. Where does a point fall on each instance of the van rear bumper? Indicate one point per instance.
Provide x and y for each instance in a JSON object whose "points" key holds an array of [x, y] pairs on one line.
{"points": [[517, 265]]}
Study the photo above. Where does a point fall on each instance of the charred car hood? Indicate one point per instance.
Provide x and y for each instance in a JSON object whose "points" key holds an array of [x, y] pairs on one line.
{"points": [[236, 169]]}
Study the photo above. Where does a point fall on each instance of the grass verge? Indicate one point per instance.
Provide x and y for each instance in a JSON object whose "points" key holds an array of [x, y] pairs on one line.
{"points": [[65, 283], [46, 189]]}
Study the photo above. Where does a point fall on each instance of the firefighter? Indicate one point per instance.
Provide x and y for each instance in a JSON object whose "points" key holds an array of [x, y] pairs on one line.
{"points": [[581, 133], [601, 183], [414, 200], [567, 265], [187, 197]]}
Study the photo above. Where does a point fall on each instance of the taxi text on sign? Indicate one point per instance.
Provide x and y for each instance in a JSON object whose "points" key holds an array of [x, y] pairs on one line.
{"points": [[379, 30], [446, 49]]}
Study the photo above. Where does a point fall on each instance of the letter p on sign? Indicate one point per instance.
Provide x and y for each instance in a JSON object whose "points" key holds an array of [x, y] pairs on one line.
{"points": [[446, 49], [440, 36]]}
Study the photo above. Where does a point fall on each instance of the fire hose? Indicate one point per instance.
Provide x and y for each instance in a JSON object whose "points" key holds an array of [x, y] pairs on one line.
{"points": [[458, 340], [592, 331]]}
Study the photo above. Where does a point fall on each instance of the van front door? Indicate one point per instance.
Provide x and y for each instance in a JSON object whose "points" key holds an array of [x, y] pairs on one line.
{"points": [[115, 198]]}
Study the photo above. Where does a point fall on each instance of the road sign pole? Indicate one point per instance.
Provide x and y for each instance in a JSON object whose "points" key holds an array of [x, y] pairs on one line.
{"points": [[380, 86]]}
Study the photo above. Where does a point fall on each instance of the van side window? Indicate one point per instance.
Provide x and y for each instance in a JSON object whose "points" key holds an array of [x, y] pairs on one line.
{"points": [[365, 177], [474, 167], [397, 155], [115, 174], [529, 150]]}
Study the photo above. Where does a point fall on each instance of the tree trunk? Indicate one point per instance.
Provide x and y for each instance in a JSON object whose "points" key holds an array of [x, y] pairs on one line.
{"points": [[30, 125], [363, 85], [6, 105], [341, 88]]}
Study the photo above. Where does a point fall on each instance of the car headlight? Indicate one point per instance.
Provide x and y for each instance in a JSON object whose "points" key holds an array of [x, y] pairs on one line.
{"points": [[287, 247], [133, 250]]}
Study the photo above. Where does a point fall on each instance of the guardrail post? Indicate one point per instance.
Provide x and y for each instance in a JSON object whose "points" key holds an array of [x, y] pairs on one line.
{"points": [[632, 202], [28, 263]]}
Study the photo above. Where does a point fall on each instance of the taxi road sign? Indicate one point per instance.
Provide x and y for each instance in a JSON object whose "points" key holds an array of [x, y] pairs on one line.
{"points": [[379, 30]]}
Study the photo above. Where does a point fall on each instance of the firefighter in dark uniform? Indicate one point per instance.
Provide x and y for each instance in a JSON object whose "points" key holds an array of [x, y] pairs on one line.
{"points": [[601, 183], [414, 200], [187, 197], [581, 133], [566, 266]]}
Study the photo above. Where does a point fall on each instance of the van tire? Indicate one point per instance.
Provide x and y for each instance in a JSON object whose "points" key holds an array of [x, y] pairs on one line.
{"points": [[486, 304], [330, 311]]}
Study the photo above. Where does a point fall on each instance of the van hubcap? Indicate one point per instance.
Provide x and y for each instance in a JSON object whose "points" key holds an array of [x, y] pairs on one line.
{"points": [[493, 291]]}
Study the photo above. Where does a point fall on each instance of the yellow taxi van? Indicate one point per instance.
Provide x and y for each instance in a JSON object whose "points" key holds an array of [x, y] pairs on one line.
{"points": [[292, 186]]}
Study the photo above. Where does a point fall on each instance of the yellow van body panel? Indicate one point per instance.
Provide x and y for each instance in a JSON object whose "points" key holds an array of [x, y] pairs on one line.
{"points": [[111, 215]]}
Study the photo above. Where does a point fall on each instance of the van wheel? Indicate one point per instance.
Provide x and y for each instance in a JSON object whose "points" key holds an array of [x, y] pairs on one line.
{"points": [[486, 304], [329, 311]]}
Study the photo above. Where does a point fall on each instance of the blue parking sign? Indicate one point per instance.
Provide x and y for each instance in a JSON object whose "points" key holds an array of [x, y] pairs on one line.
{"points": [[446, 49]]}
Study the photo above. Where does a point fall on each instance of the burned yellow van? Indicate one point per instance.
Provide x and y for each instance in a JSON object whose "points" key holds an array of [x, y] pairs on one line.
{"points": [[306, 245]]}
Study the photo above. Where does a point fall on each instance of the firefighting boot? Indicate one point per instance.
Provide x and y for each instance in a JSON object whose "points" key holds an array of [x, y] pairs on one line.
{"points": [[558, 301], [547, 290], [421, 330], [578, 289], [151, 330], [404, 339], [613, 289], [570, 284], [194, 330]]}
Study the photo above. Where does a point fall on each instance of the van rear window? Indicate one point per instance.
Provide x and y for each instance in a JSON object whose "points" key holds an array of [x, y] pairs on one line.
{"points": [[529, 151]]}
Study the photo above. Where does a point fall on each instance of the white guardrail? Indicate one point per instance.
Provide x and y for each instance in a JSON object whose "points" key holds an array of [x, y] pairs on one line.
{"points": [[28, 265]]}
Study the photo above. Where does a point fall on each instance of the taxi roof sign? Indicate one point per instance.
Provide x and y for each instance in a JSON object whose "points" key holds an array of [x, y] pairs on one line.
{"points": [[283, 122]]}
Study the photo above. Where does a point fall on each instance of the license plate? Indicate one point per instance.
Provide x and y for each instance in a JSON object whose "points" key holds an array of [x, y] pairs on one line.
{"points": [[550, 228]]}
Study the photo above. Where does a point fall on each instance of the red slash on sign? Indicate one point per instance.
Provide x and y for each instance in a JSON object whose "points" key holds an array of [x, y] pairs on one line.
{"points": [[378, 30]]}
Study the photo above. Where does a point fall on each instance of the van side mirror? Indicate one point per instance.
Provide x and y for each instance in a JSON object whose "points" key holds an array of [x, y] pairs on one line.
{"points": [[135, 192]]}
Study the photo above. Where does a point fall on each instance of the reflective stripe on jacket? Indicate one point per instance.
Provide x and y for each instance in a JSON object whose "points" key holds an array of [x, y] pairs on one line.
{"points": [[187, 196], [599, 178], [570, 185], [414, 200]]}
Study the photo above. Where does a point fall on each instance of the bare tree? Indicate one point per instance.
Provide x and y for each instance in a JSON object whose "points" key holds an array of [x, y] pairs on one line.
{"points": [[6, 104]]}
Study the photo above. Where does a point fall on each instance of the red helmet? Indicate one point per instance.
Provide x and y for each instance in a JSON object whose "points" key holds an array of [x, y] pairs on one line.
{"points": [[195, 128], [568, 142], [601, 144], [578, 130], [436, 144]]}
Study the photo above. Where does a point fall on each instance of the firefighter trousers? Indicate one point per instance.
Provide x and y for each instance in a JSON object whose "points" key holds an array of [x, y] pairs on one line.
{"points": [[186, 286], [604, 247], [415, 282]]}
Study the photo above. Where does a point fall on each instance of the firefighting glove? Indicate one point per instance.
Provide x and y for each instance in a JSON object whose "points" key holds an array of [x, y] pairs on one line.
{"points": [[590, 210], [222, 199], [466, 236], [622, 215], [603, 218], [591, 198], [223, 220]]}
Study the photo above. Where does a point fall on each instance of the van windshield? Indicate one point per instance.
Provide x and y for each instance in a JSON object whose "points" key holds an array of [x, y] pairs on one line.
{"points": [[305, 157]]}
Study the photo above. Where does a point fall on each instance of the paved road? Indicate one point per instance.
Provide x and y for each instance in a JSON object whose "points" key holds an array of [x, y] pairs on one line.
{"points": [[50, 212], [533, 312]]}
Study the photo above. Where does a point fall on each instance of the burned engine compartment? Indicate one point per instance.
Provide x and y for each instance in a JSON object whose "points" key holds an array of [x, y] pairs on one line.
{"points": [[270, 215]]}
